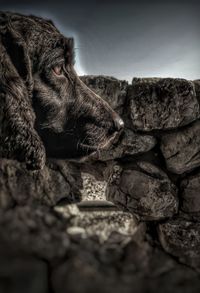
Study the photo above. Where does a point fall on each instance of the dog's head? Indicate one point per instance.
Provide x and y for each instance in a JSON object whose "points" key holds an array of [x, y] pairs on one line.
{"points": [[46, 109]]}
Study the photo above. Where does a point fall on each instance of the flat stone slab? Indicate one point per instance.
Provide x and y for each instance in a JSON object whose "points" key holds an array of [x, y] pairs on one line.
{"points": [[181, 238], [181, 149], [104, 225], [111, 89], [159, 104], [143, 189]]}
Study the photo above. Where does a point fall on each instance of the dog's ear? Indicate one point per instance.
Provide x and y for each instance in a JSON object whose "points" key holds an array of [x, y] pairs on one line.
{"points": [[19, 139]]}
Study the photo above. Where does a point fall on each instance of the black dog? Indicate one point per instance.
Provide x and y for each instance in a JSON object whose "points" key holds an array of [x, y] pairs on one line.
{"points": [[45, 109]]}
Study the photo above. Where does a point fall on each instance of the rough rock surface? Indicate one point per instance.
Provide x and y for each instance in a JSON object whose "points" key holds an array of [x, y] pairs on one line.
{"points": [[162, 103], [33, 230], [111, 89], [130, 143], [181, 238], [143, 189], [190, 194], [57, 181], [181, 149]]}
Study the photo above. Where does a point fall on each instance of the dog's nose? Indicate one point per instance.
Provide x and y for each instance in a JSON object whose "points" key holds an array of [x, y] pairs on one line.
{"points": [[118, 122]]}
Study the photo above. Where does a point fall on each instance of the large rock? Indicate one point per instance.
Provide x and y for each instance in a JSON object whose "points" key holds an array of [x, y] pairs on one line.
{"points": [[181, 238], [105, 225], [130, 143], [143, 189], [57, 181], [162, 103], [190, 194], [109, 88], [33, 230], [181, 149]]}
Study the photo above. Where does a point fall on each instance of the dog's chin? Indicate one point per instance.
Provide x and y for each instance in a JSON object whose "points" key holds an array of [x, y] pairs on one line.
{"points": [[81, 153], [94, 151]]}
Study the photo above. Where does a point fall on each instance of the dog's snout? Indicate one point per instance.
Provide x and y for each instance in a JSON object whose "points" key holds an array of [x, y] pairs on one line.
{"points": [[118, 122]]}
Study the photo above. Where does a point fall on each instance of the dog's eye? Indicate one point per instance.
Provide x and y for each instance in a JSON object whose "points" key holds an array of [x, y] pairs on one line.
{"points": [[58, 70]]}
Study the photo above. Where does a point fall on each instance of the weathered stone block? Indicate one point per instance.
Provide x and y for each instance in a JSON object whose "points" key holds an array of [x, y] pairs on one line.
{"points": [[162, 103], [190, 194], [143, 189], [181, 238], [181, 149]]}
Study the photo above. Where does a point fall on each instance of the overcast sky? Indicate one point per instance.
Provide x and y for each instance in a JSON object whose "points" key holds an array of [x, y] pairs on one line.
{"points": [[126, 38]]}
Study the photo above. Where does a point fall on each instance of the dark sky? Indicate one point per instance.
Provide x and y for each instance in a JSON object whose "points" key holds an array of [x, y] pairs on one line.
{"points": [[126, 38]]}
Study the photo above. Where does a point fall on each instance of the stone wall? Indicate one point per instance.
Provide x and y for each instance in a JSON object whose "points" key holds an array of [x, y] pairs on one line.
{"points": [[153, 171], [151, 241]]}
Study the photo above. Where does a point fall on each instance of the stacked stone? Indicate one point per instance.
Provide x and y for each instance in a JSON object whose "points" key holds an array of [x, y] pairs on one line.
{"points": [[154, 168]]}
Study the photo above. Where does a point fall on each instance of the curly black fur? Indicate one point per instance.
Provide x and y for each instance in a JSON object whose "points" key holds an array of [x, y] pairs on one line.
{"points": [[43, 113]]}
